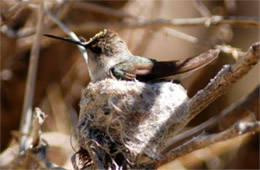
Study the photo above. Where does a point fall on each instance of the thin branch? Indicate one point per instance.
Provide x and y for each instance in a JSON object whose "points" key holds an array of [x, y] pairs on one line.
{"points": [[6, 15], [226, 77], [235, 52], [157, 23], [39, 118], [202, 140], [235, 112], [204, 11], [141, 22], [68, 32], [31, 78], [178, 22], [88, 6]]}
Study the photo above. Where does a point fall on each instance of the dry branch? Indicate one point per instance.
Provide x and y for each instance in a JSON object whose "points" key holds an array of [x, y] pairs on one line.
{"points": [[178, 22], [157, 23], [39, 118], [202, 140], [31, 78], [68, 32], [226, 77], [104, 10], [217, 86], [237, 111]]}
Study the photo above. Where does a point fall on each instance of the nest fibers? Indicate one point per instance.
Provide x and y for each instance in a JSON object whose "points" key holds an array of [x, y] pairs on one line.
{"points": [[130, 117]]}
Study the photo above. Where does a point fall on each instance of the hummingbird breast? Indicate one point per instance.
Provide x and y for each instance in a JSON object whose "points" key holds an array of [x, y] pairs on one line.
{"points": [[99, 66]]}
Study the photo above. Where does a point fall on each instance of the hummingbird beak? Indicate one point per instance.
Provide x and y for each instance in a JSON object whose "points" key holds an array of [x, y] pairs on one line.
{"points": [[65, 39]]}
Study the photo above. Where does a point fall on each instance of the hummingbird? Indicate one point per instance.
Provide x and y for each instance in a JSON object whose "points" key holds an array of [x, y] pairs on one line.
{"points": [[109, 57]]}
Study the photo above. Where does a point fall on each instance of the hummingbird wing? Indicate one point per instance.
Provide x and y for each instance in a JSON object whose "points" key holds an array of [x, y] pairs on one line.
{"points": [[144, 69], [131, 69]]}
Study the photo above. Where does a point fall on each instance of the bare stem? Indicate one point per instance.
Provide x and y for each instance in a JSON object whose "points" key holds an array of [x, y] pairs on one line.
{"points": [[68, 32], [225, 119], [31, 78], [203, 10], [202, 140], [226, 77], [39, 118], [104, 10]]}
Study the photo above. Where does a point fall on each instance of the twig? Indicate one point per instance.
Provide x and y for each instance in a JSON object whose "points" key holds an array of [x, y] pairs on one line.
{"points": [[39, 118], [141, 22], [183, 22], [223, 80], [104, 10], [202, 140], [6, 15], [30, 83], [235, 112], [72, 35], [68, 32], [201, 8], [217, 86], [235, 52], [158, 23], [143, 44]]}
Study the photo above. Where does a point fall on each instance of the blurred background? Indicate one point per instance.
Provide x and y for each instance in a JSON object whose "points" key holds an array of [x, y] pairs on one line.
{"points": [[62, 72]]}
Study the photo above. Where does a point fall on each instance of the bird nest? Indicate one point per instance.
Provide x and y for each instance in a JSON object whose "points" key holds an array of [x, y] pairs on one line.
{"points": [[129, 120]]}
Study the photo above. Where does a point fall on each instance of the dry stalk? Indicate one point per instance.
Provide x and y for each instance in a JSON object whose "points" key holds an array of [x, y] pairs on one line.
{"points": [[237, 111], [202, 140], [31, 78]]}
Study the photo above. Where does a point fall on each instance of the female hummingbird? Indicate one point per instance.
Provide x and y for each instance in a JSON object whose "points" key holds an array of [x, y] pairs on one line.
{"points": [[109, 57]]}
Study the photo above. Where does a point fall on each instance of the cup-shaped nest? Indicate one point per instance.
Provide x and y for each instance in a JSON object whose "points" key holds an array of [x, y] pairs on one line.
{"points": [[130, 117]]}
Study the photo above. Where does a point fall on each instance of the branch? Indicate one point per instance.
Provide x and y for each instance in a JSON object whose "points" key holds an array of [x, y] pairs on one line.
{"points": [[183, 22], [30, 83], [217, 86], [8, 14], [104, 10], [203, 10], [235, 112], [141, 22], [39, 118], [235, 52], [201, 141], [225, 78], [68, 32]]}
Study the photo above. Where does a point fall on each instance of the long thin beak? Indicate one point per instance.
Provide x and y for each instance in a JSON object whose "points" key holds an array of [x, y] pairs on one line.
{"points": [[65, 39]]}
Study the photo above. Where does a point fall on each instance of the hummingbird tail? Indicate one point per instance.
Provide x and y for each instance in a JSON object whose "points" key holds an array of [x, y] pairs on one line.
{"points": [[64, 39]]}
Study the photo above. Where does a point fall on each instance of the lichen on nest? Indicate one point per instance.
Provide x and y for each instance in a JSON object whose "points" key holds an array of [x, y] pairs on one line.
{"points": [[130, 117]]}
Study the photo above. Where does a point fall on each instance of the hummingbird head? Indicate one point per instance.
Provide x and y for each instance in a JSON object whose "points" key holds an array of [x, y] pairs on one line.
{"points": [[104, 50], [106, 43]]}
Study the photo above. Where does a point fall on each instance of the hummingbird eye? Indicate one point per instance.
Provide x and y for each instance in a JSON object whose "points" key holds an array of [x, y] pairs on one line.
{"points": [[96, 49]]}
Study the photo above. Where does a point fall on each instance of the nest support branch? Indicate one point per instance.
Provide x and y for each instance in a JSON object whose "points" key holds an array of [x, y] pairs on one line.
{"points": [[225, 78], [203, 140]]}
